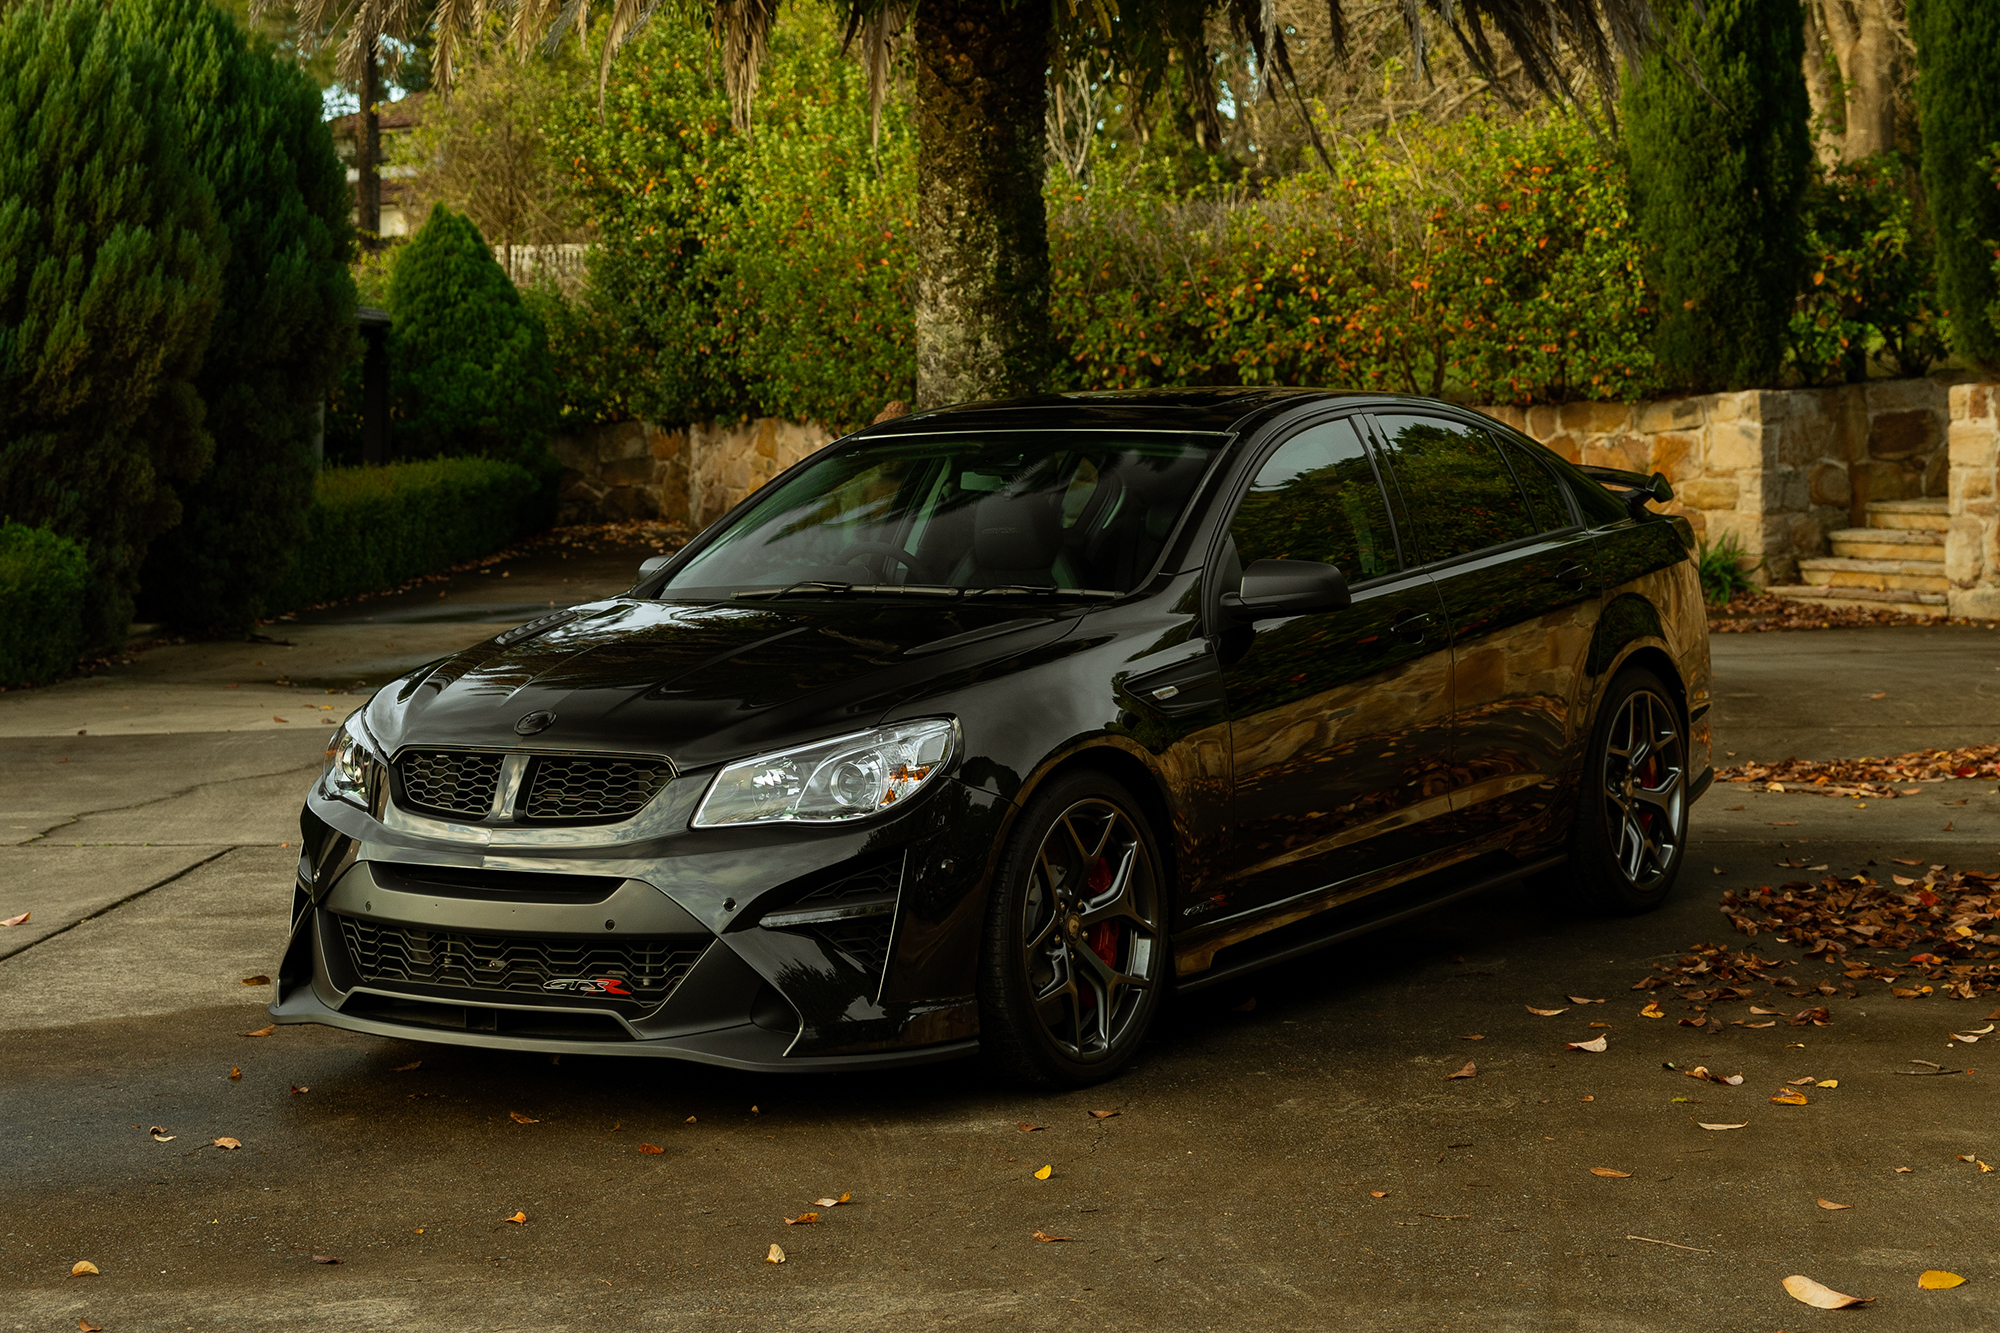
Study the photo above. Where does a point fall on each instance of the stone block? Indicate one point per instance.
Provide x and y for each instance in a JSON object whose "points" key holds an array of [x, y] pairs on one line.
{"points": [[1901, 434], [1627, 452], [1507, 414], [666, 444], [1734, 445], [577, 452], [1568, 447], [1981, 603], [1594, 418], [1974, 443], [1708, 493], [625, 439], [1669, 414], [627, 471], [1829, 484], [1969, 484], [1542, 422], [622, 504], [1964, 550], [1676, 453], [1787, 491], [1972, 402], [1917, 395], [1874, 479], [1937, 467]]}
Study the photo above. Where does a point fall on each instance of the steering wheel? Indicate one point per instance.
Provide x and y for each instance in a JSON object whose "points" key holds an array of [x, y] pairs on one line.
{"points": [[890, 550]]}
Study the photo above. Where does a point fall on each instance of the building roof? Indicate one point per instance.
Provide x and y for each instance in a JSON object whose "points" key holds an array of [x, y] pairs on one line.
{"points": [[401, 114]]}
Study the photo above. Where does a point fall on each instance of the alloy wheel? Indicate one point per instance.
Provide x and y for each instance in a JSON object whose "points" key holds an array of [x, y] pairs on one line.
{"points": [[1091, 929], [1645, 788]]}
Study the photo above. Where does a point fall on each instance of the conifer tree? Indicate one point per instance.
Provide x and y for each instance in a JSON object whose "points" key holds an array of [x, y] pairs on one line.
{"points": [[1716, 123], [1958, 106], [110, 260]]}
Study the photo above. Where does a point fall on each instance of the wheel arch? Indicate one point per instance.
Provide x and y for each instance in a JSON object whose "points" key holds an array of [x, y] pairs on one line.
{"points": [[1105, 755]]}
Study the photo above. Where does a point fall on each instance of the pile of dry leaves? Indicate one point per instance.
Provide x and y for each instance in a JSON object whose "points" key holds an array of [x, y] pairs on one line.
{"points": [[1869, 777], [1750, 612]]}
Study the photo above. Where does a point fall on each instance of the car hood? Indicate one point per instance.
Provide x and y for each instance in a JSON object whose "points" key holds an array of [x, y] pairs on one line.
{"points": [[703, 683]]}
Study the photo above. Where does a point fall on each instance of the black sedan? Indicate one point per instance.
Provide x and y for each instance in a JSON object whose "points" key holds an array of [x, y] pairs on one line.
{"points": [[982, 727]]}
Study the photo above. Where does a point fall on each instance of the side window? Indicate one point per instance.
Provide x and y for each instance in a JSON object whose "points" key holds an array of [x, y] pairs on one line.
{"points": [[1317, 499], [1545, 492], [1457, 486]]}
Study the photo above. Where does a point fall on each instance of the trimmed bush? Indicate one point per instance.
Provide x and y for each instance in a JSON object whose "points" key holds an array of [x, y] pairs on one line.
{"points": [[286, 321], [469, 364], [1869, 286], [1958, 106], [110, 264], [1718, 170], [375, 527], [42, 582]]}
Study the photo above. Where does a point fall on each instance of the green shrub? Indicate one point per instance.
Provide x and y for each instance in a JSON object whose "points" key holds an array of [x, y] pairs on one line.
{"points": [[1723, 573], [1869, 290], [1718, 169], [110, 263], [1958, 105], [42, 582], [286, 321], [468, 363], [375, 527]]}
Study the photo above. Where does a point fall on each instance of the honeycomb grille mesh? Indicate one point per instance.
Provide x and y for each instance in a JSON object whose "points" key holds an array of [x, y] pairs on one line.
{"points": [[389, 954], [453, 782], [562, 787]]}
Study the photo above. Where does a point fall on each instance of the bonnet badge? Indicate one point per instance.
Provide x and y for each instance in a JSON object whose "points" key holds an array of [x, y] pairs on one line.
{"points": [[534, 722]]}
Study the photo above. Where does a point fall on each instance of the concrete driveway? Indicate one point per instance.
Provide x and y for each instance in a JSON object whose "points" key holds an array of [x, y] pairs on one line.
{"points": [[1289, 1154]]}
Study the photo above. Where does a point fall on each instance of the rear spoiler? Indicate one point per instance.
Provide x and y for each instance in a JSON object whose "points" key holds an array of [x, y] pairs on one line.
{"points": [[1638, 489]]}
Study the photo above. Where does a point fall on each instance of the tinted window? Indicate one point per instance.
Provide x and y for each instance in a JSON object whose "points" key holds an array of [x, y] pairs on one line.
{"points": [[1459, 489], [1545, 494], [1317, 499]]}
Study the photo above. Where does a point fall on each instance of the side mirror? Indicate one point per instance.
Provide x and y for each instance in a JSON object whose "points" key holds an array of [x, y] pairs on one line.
{"points": [[1273, 588], [652, 565]]}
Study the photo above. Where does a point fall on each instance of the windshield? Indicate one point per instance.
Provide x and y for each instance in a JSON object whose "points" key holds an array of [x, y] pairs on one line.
{"points": [[1018, 513]]}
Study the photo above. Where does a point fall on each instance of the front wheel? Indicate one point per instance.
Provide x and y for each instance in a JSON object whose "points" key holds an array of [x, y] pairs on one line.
{"points": [[1632, 811], [1075, 951]]}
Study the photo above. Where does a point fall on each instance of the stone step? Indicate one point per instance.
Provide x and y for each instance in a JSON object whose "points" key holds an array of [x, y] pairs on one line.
{"points": [[1832, 571], [1888, 544], [1870, 599], [1933, 515]]}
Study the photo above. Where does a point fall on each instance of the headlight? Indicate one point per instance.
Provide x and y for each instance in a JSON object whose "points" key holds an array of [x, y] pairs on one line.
{"points": [[850, 777], [351, 769]]}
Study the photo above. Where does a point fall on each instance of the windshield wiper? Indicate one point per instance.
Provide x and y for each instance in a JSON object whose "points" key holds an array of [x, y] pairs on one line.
{"points": [[1044, 590], [821, 588]]}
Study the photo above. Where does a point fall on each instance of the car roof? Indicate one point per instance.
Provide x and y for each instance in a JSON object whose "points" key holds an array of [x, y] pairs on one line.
{"points": [[1219, 409]]}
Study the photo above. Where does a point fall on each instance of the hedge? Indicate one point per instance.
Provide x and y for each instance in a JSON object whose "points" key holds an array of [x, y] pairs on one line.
{"points": [[43, 578], [373, 528]]}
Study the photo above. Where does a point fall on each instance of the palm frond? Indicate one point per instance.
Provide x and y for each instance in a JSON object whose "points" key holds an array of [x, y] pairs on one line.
{"points": [[743, 30]]}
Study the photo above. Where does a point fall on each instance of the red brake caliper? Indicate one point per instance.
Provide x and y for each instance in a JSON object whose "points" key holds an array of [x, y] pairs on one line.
{"points": [[1103, 940]]}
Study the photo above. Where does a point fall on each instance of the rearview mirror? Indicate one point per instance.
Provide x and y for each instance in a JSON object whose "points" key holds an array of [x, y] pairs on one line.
{"points": [[652, 565], [1273, 588]]}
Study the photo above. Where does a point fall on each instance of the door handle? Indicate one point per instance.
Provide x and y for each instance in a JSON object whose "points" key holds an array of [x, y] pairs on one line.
{"points": [[1414, 626], [1574, 576]]}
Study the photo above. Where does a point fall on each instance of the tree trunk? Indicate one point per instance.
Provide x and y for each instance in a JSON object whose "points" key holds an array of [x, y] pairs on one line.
{"points": [[1862, 36], [368, 155], [982, 309], [1823, 91]]}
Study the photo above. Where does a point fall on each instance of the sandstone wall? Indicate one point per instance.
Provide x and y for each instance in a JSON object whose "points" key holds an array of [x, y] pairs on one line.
{"points": [[689, 474], [1778, 468], [1972, 542]]}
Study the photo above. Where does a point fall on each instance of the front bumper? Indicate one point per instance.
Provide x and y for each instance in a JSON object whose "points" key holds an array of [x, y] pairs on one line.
{"points": [[661, 950]]}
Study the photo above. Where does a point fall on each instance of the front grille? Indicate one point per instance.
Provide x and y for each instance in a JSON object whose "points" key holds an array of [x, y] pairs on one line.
{"points": [[389, 954], [450, 782], [573, 788]]}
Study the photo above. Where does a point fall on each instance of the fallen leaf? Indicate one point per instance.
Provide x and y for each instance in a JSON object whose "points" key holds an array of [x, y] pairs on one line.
{"points": [[1023, 1126], [1609, 1174], [1883, 695], [1378, 1194], [803, 1219], [756, 1111], [1827, 1083], [688, 1121], [85, 1326], [325, 1259], [1600, 1025], [404, 1069], [520, 1119], [1578, 999], [160, 1135], [776, 1256], [1821, 1297], [1102, 1115], [1833, 1207], [235, 1071], [1947, 827], [301, 1088], [264, 1031], [16, 920], [1547, 1013], [651, 1149], [1800, 1082], [1937, 1279], [831, 1203], [1652, 1010], [83, 1268], [227, 1144], [259, 980], [1903, 1170], [1469, 1071], [1045, 1236], [276, 718], [1045, 1172], [1767, 1023], [1790, 1099], [1596, 1045], [1762, 1012], [1705, 1125], [1474, 1036], [1586, 1097]]}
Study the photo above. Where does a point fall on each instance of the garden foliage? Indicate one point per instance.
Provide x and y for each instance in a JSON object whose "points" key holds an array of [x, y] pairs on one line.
{"points": [[1958, 105], [1716, 122], [43, 578], [110, 268], [286, 319], [469, 362], [376, 527], [1868, 293]]}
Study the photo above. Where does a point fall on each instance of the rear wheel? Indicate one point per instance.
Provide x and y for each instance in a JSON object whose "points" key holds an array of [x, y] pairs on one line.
{"points": [[1632, 812], [1075, 951]]}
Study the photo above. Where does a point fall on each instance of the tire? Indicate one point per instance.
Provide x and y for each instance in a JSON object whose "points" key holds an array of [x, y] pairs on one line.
{"points": [[1075, 953], [1630, 834]]}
